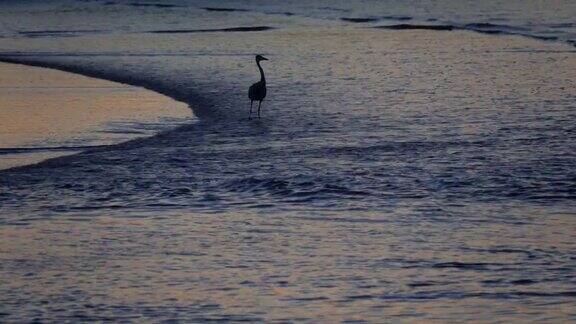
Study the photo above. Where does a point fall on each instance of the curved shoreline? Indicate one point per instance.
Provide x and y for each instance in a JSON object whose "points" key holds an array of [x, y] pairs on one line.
{"points": [[196, 103], [50, 113]]}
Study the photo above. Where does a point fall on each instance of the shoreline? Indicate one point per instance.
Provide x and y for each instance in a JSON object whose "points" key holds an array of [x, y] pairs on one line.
{"points": [[196, 105], [49, 113]]}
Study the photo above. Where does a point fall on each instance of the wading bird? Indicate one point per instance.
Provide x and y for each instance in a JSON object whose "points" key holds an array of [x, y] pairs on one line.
{"points": [[257, 91]]}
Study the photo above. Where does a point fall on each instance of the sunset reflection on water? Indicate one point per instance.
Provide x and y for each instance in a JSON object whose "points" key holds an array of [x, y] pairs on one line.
{"points": [[254, 267]]}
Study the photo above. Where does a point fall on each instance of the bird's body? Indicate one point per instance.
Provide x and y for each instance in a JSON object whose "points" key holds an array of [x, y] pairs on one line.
{"points": [[257, 91]]}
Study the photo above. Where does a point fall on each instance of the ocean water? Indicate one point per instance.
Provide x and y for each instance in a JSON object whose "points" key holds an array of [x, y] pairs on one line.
{"points": [[397, 172]]}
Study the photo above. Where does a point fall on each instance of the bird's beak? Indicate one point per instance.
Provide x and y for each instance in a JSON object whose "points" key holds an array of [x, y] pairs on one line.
{"points": [[265, 59]]}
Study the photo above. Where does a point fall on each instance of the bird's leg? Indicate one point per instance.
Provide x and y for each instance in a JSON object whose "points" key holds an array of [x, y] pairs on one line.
{"points": [[250, 115], [259, 104]]}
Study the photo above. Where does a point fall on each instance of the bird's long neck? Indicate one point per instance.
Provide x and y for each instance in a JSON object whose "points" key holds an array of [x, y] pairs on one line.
{"points": [[262, 78]]}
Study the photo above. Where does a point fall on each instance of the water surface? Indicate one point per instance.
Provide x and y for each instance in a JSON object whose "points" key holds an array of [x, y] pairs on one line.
{"points": [[401, 174], [47, 113]]}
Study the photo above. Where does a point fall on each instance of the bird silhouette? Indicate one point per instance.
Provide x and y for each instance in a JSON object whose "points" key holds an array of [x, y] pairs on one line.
{"points": [[257, 91]]}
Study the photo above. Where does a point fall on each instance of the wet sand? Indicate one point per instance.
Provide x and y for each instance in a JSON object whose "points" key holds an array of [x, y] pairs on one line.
{"points": [[48, 113]]}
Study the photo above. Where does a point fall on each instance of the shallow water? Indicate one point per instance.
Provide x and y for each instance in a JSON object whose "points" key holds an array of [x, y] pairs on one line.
{"points": [[401, 265], [425, 175]]}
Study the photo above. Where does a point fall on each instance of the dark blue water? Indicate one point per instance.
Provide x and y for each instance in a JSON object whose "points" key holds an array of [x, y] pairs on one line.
{"points": [[417, 174]]}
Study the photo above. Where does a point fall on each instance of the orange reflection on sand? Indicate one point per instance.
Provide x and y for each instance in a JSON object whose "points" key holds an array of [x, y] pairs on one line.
{"points": [[43, 108]]}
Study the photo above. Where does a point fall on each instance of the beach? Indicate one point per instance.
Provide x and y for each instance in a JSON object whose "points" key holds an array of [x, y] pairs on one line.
{"points": [[47, 113], [396, 174]]}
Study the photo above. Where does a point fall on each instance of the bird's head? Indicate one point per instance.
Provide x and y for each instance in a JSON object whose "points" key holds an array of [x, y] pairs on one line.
{"points": [[260, 58]]}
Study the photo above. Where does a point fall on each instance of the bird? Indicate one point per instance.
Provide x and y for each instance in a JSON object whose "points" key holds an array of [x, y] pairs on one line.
{"points": [[257, 91]]}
